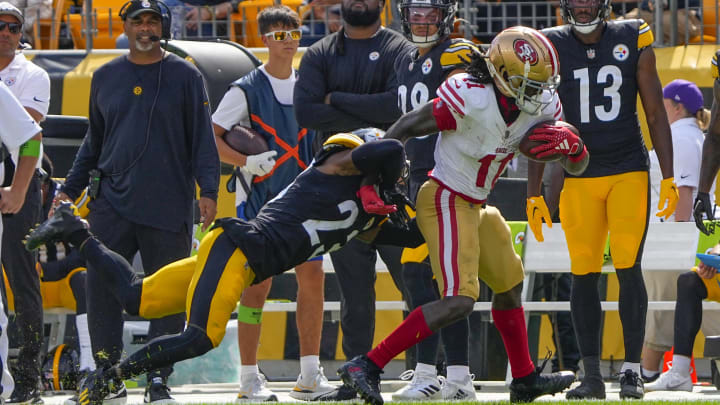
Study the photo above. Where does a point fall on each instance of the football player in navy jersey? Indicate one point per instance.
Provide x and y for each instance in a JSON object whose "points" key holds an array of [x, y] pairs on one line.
{"points": [[604, 65], [420, 71], [710, 156], [330, 203]]}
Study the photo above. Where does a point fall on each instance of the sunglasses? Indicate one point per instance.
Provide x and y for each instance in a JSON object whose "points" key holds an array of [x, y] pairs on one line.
{"points": [[14, 28], [295, 35]]}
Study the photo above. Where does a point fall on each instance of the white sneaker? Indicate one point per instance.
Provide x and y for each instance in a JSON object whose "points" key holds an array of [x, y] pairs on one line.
{"points": [[459, 390], [318, 389], [422, 387], [255, 390], [671, 381]]}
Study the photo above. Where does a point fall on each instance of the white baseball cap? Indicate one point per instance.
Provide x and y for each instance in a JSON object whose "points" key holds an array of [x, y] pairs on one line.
{"points": [[8, 9]]}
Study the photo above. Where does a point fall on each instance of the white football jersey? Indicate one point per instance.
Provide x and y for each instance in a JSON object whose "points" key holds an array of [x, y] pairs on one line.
{"points": [[470, 159]]}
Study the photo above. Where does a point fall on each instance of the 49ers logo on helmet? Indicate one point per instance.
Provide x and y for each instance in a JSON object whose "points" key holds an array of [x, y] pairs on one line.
{"points": [[525, 51]]}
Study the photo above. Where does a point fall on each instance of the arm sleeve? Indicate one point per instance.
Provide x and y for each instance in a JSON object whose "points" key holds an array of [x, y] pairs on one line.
{"points": [[232, 109], [205, 158], [89, 154], [714, 66], [377, 108], [309, 99], [394, 235]]}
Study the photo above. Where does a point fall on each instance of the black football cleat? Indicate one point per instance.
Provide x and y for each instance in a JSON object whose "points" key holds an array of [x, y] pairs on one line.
{"points": [[589, 388], [93, 388], [631, 385], [56, 228], [364, 376], [549, 384]]}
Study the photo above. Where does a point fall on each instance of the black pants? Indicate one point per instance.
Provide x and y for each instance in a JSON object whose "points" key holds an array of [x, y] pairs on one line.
{"points": [[355, 270], [25, 284], [157, 248]]}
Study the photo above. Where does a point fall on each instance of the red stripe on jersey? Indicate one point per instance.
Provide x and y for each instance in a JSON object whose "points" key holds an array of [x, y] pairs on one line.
{"points": [[454, 93], [443, 117], [441, 236], [454, 253], [448, 99]]}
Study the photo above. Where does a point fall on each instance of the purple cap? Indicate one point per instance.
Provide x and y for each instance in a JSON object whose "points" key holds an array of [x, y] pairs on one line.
{"points": [[686, 93]]}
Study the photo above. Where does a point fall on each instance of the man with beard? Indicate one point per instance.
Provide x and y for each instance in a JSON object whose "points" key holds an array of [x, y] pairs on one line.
{"points": [[150, 139], [347, 81]]}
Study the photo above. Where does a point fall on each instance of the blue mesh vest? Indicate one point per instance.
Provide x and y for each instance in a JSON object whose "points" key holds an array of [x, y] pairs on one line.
{"points": [[276, 122]]}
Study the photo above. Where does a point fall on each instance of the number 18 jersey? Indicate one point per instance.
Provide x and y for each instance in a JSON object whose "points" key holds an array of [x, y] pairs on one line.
{"points": [[470, 158]]}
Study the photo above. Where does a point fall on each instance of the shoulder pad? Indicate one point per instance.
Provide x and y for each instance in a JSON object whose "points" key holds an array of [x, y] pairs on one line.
{"points": [[462, 93], [452, 57], [645, 35]]}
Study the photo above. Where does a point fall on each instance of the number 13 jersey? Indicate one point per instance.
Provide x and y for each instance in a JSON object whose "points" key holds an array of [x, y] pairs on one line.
{"points": [[599, 90]]}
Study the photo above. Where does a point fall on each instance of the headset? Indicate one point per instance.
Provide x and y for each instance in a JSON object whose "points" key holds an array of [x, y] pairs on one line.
{"points": [[166, 17]]}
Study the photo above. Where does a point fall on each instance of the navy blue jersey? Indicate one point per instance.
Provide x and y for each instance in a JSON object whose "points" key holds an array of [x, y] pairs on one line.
{"points": [[599, 94], [318, 213], [418, 79]]}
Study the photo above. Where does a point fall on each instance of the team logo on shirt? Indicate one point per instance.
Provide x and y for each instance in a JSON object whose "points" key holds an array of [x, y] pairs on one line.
{"points": [[525, 51], [137, 90], [621, 52], [427, 66], [10, 81], [519, 238], [374, 55], [591, 54]]}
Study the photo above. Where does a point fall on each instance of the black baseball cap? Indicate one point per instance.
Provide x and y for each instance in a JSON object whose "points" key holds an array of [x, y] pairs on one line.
{"points": [[138, 7]]}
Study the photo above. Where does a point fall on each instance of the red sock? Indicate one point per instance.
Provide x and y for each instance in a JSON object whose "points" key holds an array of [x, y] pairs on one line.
{"points": [[511, 325], [411, 331]]}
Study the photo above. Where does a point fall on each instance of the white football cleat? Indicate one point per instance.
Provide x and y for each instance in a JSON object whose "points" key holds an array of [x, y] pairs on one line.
{"points": [[422, 387]]}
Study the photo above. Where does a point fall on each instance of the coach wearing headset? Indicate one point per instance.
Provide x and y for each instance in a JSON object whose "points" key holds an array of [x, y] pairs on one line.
{"points": [[150, 139]]}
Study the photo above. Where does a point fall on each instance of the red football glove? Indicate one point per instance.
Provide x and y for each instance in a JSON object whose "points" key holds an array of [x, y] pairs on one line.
{"points": [[558, 141], [372, 203]]}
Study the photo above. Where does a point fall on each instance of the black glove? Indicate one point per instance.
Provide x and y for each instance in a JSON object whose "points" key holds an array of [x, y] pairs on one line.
{"points": [[400, 217], [703, 206]]}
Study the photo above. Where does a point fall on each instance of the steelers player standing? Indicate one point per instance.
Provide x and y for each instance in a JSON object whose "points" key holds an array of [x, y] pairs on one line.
{"points": [[420, 71], [603, 66], [710, 156]]}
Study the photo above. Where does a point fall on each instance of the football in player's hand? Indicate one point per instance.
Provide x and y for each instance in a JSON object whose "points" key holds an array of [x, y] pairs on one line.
{"points": [[246, 140], [527, 144]]}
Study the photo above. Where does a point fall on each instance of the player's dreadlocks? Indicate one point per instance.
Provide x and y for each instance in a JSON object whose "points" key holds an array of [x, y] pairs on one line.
{"points": [[477, 67]]}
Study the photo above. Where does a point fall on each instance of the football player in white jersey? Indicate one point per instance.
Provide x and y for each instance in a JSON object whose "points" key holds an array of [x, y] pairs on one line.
{"points": [[482, 115]]}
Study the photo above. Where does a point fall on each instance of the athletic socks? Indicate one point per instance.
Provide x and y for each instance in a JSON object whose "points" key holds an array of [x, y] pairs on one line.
{"points": [[412, 330], [511, 325], [86, 358], [309, 368]]}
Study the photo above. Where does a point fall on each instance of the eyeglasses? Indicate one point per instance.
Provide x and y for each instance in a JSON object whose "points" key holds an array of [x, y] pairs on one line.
{"points": [[14, 28], [295, 35]]}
